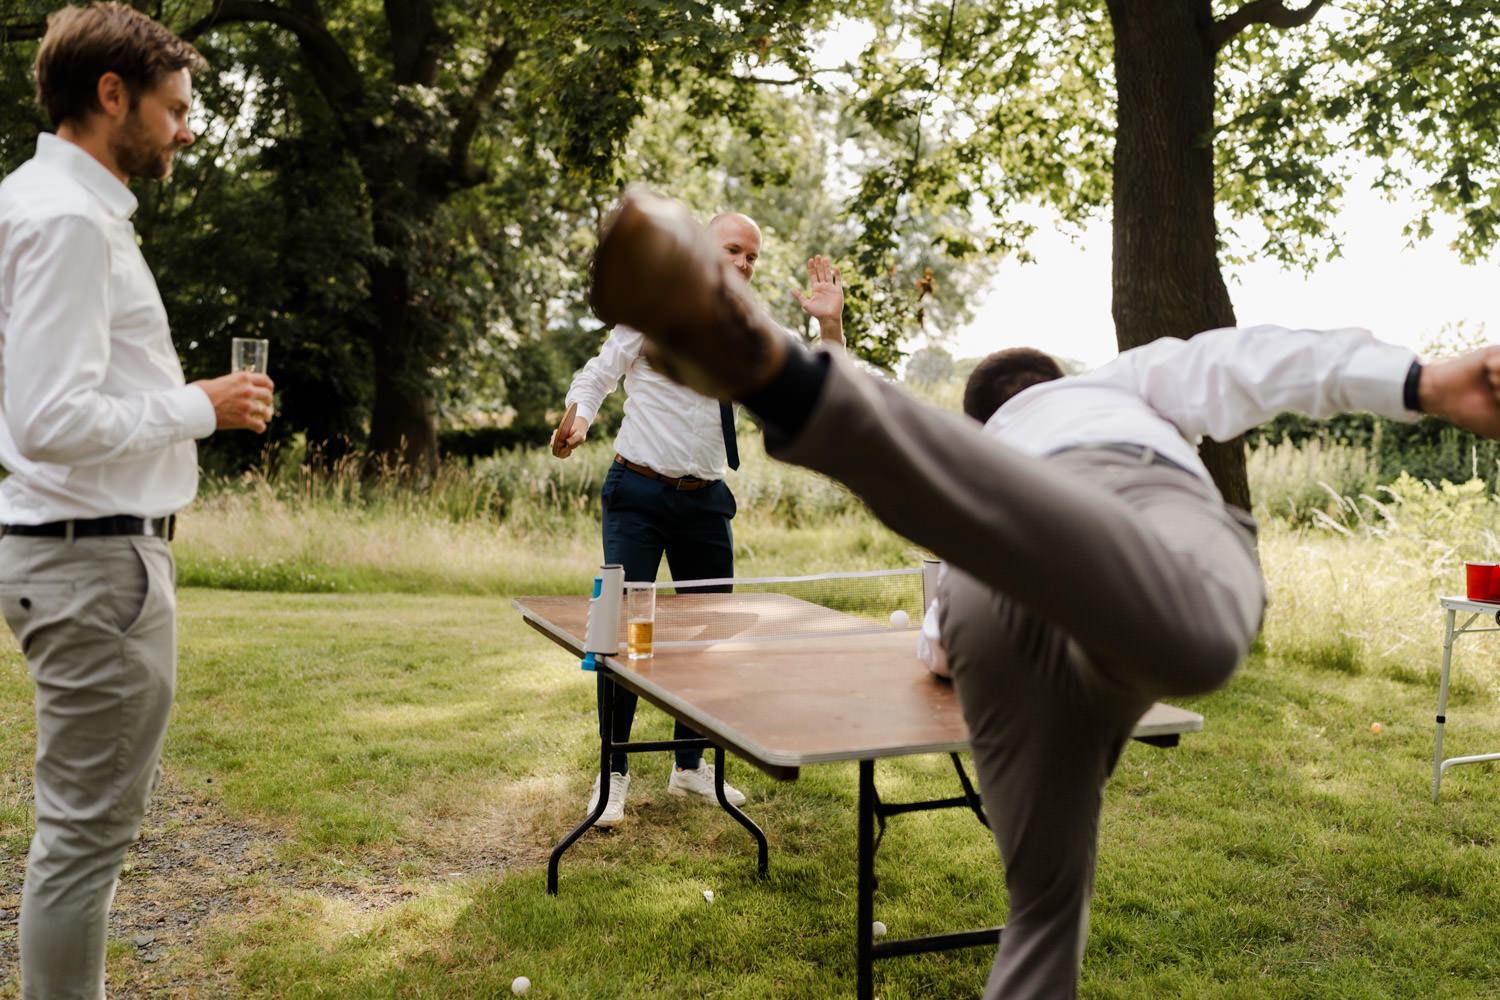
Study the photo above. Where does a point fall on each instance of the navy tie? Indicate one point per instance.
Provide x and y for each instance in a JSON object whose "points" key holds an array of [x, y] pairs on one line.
{"points": [[731, 447]]}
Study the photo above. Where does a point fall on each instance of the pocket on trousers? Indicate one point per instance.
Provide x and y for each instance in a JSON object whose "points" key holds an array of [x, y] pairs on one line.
{"points": [[33, 604], [131, 589]]}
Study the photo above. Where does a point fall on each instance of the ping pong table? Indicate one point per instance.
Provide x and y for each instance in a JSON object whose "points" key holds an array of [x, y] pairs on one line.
{"points": [[844, 689]]}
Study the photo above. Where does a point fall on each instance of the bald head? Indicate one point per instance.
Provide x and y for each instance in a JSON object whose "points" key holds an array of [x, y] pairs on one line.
{"points": [[738, 237]]}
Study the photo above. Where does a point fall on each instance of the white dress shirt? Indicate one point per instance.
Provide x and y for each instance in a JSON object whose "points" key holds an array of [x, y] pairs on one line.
{"points": [[95, 418], [667, 427], [1172, 393]]}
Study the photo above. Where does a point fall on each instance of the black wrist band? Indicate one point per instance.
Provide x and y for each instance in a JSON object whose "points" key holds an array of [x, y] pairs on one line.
{"points": [[787, 401], [1410, 397]]}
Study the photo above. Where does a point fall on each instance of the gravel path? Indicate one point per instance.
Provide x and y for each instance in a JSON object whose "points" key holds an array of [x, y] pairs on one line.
{"points": [[193, 866]]}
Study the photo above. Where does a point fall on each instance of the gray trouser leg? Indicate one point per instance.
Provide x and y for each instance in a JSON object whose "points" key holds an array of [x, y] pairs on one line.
{"points": [[1043, 746], [96, 621], [1081, 588]]}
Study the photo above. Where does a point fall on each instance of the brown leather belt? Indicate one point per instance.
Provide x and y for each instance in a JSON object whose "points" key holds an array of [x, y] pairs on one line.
{"points": [[676, 482]]}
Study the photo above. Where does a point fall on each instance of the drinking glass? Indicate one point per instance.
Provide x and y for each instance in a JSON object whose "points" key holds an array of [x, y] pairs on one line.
{"points": [[640, 619], [248, 354]]}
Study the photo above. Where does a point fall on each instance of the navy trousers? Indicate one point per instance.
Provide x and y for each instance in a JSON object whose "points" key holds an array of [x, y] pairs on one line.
{"points": [[645, 519]]}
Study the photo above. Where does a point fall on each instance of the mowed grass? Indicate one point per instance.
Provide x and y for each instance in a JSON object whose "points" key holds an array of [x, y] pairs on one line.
{"points": [[438, 744], [397, 758]]}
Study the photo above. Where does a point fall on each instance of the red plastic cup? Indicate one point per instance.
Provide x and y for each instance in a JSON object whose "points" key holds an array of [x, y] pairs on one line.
{"points": [[1481, 582]]}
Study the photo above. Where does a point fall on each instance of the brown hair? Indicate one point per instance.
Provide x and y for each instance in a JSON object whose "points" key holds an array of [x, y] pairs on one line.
{"points": [[84, 43], [1002, 375]]}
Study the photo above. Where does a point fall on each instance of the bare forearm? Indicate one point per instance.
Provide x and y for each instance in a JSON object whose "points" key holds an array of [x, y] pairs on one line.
{"points": [[831, 330]]}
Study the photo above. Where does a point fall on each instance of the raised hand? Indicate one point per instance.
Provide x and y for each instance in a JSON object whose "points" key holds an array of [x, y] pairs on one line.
{"points": [[824, 298]]}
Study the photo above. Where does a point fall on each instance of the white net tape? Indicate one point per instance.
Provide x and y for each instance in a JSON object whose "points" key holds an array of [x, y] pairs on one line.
{"points": [[701, 612]]}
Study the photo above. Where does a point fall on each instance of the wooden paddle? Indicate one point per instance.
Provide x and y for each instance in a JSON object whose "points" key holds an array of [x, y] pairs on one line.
{"points": [[564, 429]]}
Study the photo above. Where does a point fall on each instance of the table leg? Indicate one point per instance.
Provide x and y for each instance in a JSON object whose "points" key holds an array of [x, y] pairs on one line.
{"points": [[864, 908], [1437, 751], [606, 751], [733, 810]]}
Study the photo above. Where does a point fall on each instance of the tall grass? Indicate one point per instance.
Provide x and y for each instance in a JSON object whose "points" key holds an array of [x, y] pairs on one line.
{"points": [[1353, 567], [518, 522]]}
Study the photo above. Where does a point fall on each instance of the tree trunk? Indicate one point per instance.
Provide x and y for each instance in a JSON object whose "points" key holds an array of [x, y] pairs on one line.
{"points": [[403, 423], [1166, 276]]}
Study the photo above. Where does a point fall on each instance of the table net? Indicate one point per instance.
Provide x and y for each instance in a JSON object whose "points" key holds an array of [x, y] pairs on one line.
{"points": [[700, 612]]}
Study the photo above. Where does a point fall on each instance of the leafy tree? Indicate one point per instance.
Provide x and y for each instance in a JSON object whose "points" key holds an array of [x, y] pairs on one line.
{"points": [[1170, 111], [420, 163], [402, 196], [932, 364]]}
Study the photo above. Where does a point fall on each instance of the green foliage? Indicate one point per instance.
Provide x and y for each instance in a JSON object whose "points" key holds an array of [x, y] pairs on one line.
{"points": [[1293, 481], [1408, 85]]}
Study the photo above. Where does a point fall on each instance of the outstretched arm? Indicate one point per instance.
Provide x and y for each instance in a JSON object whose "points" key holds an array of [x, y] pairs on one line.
{"points": [[824, 299], [1464, 390]]}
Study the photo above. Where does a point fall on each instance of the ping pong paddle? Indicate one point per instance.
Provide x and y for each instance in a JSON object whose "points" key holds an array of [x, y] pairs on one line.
{"points": [[564, 429]]}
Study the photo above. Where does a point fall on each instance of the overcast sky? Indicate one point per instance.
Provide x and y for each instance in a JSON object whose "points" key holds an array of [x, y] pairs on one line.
{"points": [[1061, 303]]}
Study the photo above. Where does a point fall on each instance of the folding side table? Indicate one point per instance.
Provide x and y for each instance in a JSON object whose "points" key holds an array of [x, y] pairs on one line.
{"points": [[1474, 609]]}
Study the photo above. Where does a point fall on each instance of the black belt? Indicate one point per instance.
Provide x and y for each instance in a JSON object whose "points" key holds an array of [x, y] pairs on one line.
{"points": [[676, 482], [1143, 453], [98, 527]]}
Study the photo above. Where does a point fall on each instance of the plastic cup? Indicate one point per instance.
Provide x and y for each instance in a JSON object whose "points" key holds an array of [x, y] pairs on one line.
{"points": [[1480, 582]]}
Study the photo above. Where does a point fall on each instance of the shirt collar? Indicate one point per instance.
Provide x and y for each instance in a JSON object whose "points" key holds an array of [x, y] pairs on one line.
{"points": [[77, 163]]}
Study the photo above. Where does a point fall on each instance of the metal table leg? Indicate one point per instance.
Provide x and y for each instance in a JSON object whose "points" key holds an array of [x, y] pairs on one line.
{"points": [[607, 748], [1437, 751]]}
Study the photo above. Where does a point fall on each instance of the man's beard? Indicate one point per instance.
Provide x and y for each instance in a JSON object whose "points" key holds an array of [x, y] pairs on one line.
{"points": [[138, 156]]}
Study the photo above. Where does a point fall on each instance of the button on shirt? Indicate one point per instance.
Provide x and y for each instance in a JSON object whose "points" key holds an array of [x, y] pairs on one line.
{"points": [[667, 427], [95, 418]]}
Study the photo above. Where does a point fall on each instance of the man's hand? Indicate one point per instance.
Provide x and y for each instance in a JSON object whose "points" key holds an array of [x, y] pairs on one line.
{"points": [[824, 299], [241, 400], [562, 446], [1464, 390]]}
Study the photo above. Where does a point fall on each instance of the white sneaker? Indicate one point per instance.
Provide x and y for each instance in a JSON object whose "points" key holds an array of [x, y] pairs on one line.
{"points": [[614, 809], [700, 781]]}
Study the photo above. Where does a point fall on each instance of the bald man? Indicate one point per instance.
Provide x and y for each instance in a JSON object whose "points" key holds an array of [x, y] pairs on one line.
{"points": [[665, 493]]}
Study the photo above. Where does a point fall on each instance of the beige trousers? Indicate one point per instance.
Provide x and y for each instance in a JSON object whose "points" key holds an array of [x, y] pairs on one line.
{"points": [[96, 621]]}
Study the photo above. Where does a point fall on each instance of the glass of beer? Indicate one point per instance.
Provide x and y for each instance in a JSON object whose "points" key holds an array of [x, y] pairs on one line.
{"points": [[640, 619], [247, 354]]}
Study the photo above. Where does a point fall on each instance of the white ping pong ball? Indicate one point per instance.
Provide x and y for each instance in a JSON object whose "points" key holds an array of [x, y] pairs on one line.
{"points": [[877, 929], [520, 984], [900, 619]]}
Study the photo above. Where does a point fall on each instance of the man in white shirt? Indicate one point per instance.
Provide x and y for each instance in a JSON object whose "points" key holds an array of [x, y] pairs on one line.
{"points": [[1093, 566], [665, 493], [97, 431]]}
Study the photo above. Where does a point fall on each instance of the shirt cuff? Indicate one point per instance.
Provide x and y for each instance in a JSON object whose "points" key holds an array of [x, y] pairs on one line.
{"points": [[196, 408], [1375, 380]]}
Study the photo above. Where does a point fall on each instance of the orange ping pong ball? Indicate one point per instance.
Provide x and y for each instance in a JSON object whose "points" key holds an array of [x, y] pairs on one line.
{"points": [[1376, 727]]}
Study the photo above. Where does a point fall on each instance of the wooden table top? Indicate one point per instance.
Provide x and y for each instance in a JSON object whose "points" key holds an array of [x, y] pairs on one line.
{"points": [[844, 689]]}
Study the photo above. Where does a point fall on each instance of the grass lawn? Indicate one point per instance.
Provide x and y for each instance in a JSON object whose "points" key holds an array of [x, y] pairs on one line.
{"points": [[362, 790]]}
